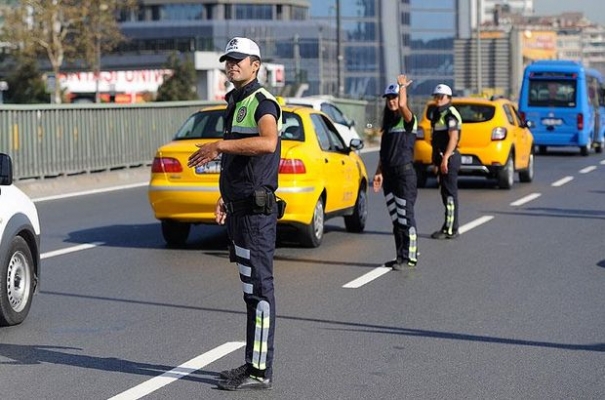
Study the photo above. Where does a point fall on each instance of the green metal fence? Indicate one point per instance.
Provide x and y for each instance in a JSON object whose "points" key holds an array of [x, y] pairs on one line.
{"points": [[53, 140]]}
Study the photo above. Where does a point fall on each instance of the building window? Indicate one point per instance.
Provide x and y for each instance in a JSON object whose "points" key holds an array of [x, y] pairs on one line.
{"points": [[253, 11]]}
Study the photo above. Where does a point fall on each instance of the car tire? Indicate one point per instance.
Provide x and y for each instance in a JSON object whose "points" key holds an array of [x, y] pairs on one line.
{"points": [[599, 148], [542, 150], [357, 221], [16, 283], [506, 175], [175, 233], [313, 233], [527, 175], [585, 150]]}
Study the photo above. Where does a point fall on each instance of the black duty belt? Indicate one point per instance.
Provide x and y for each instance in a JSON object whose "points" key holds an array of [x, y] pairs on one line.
{"points": [[403, 167], [261, 202], [239, 207]]}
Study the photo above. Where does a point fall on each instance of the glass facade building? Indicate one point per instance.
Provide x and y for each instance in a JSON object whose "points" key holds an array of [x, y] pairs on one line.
{"points": [[424, 48]]}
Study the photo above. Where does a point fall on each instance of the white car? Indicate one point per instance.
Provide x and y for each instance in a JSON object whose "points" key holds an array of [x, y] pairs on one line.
{"points": [[19, 248], [344, 125]]}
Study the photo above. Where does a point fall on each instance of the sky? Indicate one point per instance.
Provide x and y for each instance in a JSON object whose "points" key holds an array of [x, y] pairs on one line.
{"points": [[594, 10]]}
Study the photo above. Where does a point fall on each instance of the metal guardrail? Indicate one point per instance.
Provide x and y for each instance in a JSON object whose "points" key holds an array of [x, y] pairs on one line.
{"points": [[51, 140], [54, 140]]}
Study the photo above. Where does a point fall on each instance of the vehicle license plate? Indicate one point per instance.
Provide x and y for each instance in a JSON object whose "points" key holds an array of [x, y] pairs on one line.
{"points": [[213, 167], [466, 159], [552, 121]]}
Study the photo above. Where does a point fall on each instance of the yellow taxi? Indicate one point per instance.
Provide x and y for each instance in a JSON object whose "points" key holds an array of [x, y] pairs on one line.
{"points": [[320, 177], [495, 141]]}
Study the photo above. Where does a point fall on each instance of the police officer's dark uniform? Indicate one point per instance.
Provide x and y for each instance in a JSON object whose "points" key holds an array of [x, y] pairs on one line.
{"points": [[444, 119], [399, 180], [247, 185]]}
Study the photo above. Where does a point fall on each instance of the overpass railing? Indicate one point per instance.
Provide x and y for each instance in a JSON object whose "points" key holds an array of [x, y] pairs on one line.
{"points": [[50, 140]]}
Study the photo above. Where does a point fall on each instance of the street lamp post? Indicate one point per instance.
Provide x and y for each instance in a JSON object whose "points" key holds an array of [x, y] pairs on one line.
{"points": [[102, 8], [479, 55], [339, 56]]}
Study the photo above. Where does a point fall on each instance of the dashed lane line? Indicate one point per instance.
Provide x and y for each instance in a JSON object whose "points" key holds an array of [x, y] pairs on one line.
{"points": [[179, 372], [379, 271], [588, 169], [525, 199], [366, 278], [562, 181], [68, 250], [473, 224]]}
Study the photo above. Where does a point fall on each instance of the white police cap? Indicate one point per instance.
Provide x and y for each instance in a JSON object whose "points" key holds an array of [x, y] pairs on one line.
{"points": [[442, 89], [239, 48], [391, 90]]}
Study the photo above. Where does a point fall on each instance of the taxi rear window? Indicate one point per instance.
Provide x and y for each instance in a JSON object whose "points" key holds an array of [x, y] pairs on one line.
{"points": [[470, 113]]}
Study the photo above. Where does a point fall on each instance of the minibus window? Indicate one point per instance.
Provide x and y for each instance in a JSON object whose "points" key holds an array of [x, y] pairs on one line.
{"points": [[552, 93]]}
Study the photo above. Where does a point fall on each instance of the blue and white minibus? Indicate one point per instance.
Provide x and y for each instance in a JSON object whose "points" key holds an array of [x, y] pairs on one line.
{"points": [[563, 103]]}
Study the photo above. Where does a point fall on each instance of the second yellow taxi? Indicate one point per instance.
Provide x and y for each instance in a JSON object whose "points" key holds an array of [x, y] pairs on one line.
{"points": [[495, 142], [319, 177]]}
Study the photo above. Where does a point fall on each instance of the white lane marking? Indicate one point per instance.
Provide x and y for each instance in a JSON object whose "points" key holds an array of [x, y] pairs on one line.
{"points": [[602, 162], [475, 223], [588, 169], [562, 182], [366, 278], [378, 272], [179, 372], [87, 192], [525, 199], [68, 250]]}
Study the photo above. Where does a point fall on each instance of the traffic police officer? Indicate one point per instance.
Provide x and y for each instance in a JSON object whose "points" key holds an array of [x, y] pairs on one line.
{"points": [[249, 165], [395, 171], [446, 125]]}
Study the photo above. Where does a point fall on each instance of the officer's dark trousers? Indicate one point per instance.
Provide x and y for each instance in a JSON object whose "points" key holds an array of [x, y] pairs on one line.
{"points": [[400, 192], [448, 185], [253, 245]]}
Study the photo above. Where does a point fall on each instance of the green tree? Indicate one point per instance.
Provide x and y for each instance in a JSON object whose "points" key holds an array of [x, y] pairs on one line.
{"points": [[181, 84], [61, 30], [25, 83]]}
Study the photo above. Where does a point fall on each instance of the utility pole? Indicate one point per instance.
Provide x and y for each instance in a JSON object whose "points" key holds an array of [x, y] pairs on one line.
{"points": [[479, 56], [339, 56], [98, 35]]}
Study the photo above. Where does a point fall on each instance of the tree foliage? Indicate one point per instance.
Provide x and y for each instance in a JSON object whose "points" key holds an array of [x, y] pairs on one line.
{"points": [[64, 30], [25, 84], [181, 84]]}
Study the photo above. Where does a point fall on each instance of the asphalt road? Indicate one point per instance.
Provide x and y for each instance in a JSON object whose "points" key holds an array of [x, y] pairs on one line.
{"points": [[512, 309]]}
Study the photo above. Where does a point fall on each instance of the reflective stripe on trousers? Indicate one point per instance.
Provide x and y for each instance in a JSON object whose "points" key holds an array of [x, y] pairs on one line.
{"points": [[396, 207], [450, 212]]}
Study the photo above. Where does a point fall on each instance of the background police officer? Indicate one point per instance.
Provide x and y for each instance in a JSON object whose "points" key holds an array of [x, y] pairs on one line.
{"points": [[446, 124], [395, 171], [249, 165]]}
